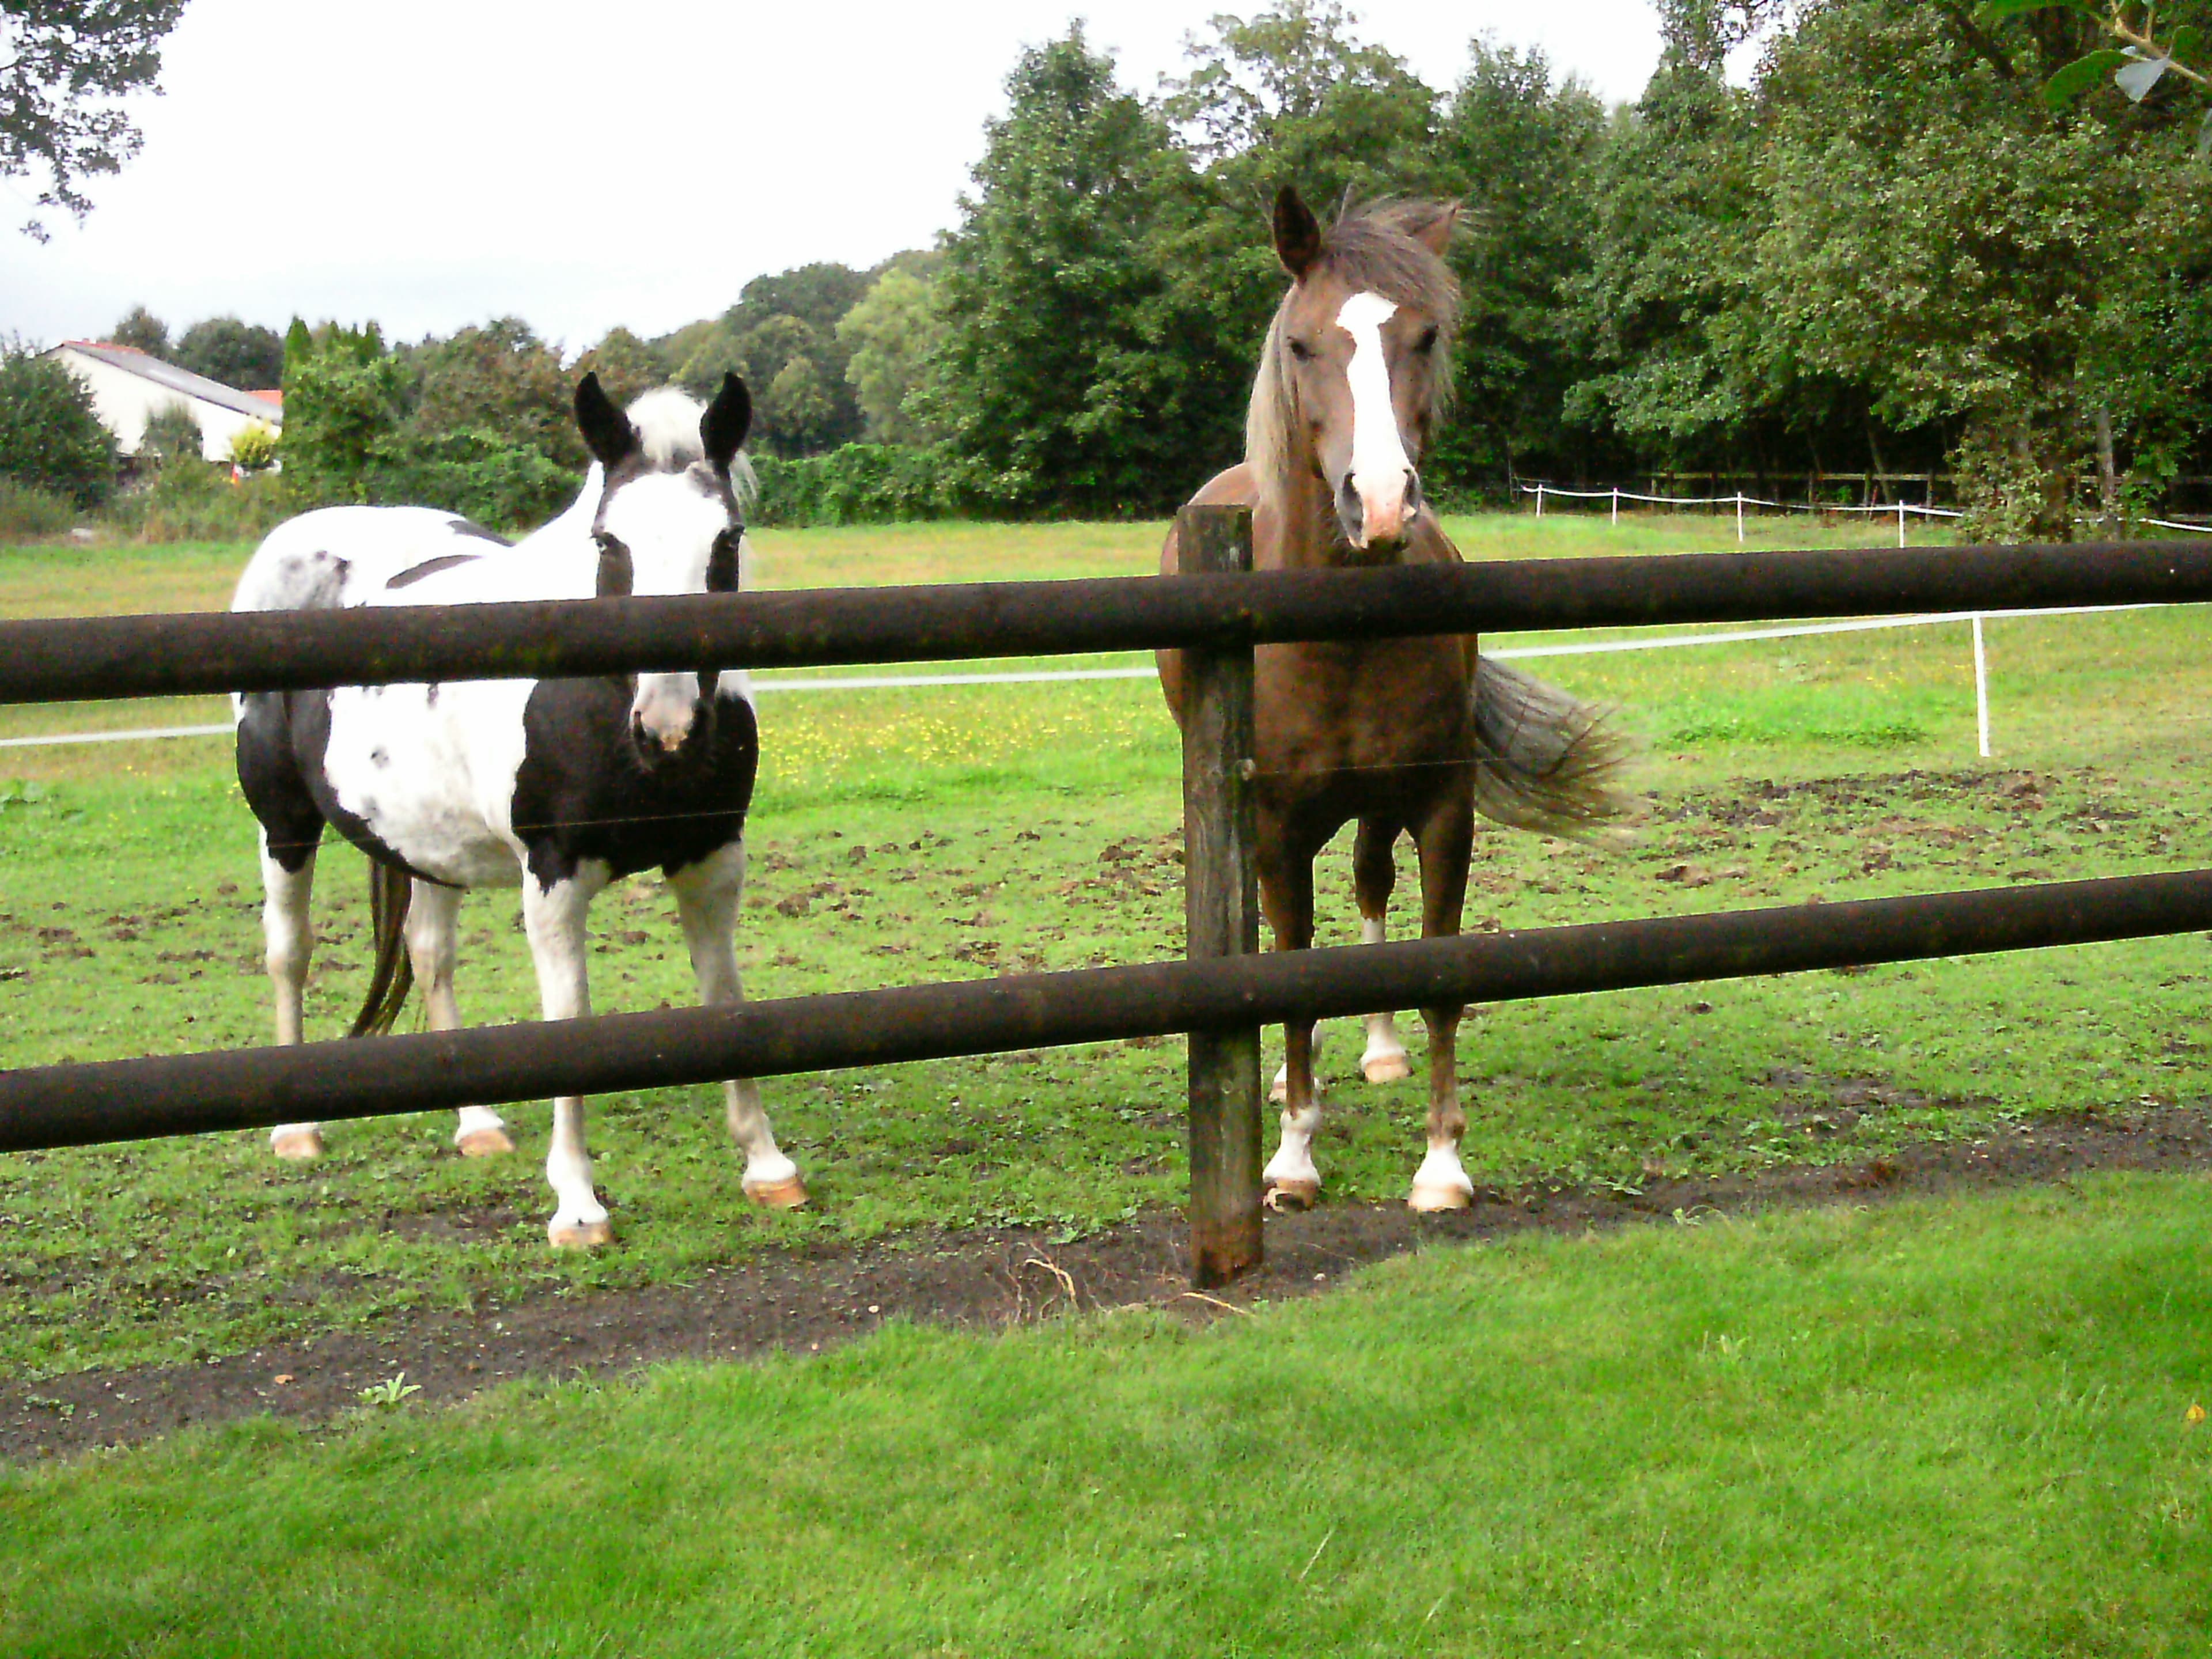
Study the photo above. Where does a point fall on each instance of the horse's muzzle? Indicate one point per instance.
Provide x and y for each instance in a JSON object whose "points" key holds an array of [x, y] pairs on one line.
{"points": [[1378, 519]]}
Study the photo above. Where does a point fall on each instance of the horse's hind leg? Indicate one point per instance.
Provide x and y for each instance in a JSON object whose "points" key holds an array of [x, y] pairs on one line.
{"points": [[1291, 1179], [1446, 843], [706, 895], [287, 887], [553, 917], [1373, 874], [433, 917]]}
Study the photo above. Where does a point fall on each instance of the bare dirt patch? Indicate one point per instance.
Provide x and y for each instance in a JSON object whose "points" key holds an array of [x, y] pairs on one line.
{"points": [[805, 1300]]}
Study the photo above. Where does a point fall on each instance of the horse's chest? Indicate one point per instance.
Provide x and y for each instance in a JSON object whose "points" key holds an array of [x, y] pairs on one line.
{"points": [[1400, 704]]}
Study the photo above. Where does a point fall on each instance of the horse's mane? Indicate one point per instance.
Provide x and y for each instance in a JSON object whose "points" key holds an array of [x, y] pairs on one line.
{"points": [[1371, 249], [667, 423]]}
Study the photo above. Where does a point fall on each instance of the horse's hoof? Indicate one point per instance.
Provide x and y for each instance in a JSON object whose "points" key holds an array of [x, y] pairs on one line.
{"points": [[789, 1194], [483, 1143], [1432, 1200], [580, 1235], [1290, 1197], [1386, 1068], [298, 1145]]}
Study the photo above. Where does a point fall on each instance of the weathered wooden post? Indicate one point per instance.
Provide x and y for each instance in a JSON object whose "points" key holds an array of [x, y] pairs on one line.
{"points": [[1221, 909]]}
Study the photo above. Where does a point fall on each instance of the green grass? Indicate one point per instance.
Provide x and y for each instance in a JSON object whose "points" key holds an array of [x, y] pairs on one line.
{"points": [[1951, 1429], [1008, 829]]}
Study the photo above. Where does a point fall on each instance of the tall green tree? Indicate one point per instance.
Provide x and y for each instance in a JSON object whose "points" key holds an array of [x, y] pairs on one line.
{"points": [[1522, 152], [66, 67], [1944, 237], [1061, 373], [499, 381], [142, 331], [241, 355], [891, 334]]}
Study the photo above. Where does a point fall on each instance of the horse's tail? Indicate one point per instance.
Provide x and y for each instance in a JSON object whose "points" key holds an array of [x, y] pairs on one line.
{"points": [[1548, 762], [393, 975]]}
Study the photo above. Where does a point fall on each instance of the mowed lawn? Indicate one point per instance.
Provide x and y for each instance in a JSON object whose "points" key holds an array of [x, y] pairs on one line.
{"points": [[1952, 1429], [903, 836]]}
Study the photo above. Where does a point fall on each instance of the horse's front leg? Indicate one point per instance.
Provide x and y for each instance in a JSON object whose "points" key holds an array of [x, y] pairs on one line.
{"points": [[1293, 1181], [1374, 872], [433, 913], [1446, 842], [706, 895], [553, 917], [287, 932]]}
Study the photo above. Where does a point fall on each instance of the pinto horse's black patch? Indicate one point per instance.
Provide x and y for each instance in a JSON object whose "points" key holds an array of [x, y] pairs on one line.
{"points": [[583, 792], [432, 567]]}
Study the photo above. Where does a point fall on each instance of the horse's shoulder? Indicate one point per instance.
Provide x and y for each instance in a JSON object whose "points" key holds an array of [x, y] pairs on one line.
{"points": [[1237, 487]]}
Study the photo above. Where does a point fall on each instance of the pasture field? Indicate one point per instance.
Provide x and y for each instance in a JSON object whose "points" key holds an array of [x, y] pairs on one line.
{"points": [[1957, 1428], [906, 836]]}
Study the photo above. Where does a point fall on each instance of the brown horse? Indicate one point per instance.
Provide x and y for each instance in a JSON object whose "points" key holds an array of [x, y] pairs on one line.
{"points": [[1411, 736]]}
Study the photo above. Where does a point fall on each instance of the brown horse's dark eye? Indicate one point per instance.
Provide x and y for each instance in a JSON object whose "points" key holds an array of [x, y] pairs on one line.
{"points": [[1427, 342], [615, 578], [1301, 351]]}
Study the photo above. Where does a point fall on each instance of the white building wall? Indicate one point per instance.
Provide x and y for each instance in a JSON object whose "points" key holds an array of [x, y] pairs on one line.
{"points": [[125, 402]]}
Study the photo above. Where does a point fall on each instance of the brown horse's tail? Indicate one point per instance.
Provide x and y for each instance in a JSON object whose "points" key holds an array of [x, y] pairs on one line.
{"points": [[393, 975], [1549, 763]]}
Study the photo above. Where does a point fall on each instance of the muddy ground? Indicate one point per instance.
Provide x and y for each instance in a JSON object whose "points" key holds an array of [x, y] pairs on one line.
{"points": [[806, 1301]]}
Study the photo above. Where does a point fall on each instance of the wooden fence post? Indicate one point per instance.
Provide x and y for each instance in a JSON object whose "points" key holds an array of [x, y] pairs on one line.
{"points": [[1221, 913]]}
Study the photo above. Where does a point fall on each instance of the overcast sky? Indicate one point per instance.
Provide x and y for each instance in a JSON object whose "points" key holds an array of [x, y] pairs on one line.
{"points": [[432, 163]]}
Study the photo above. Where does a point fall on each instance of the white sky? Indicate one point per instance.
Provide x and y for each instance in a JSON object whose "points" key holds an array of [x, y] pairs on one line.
{"points": [[434, 164]]}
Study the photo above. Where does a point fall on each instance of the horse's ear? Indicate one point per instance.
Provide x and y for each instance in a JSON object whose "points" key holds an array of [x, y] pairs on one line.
{"points": [[722, 429], [607, 431], [1298, 232], [1435, 232]]}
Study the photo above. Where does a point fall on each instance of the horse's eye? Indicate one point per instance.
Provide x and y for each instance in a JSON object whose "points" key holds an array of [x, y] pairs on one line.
{"points": [[1427, 342], [1301, 351]]}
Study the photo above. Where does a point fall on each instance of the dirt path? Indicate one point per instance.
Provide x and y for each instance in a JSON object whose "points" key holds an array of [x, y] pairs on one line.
{"points": [[802, 1302]]}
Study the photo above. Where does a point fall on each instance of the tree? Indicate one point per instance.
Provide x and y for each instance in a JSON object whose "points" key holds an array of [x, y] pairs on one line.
{"points": [[68, 64], [790, 315], [890, 334], [142, 331], [503, 381], [1943, 237], [627, 366], [50, 439], [1065, 371], [343, 406], [1523, 156], [237, 354]]}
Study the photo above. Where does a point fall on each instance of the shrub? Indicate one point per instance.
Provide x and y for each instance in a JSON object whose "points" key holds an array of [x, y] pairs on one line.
{"points": [[27, 511], [192, 501], [50, 439], [474, 472], [875, 483], [173, 434], [254, 447]]}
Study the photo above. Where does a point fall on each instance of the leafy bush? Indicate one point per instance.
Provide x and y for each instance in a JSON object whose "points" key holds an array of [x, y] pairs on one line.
{"points": [[474, 472], [254, 447], [876, 483], [50, 439], [173, 434], [192, 501], [27, 511]]}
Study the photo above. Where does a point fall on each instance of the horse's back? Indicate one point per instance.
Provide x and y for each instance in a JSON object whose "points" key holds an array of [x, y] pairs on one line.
{"points": [[333, 556]]}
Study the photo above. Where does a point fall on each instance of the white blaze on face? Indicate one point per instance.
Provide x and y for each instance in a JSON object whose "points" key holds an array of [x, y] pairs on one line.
{"points": [[669, 524], [1380, 469]]}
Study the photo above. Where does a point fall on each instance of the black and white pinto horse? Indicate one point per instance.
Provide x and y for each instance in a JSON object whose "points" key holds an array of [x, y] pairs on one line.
{"points": [[559, 786]]}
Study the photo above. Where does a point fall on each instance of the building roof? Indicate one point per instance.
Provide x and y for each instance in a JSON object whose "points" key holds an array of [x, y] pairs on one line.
{"points": [[132, 360], [275, 397]]}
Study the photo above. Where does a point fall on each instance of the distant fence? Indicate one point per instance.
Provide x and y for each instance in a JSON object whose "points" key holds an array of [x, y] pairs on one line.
{"points": [[1900, 509], [1227, 991]]}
